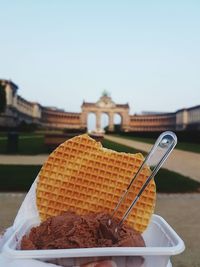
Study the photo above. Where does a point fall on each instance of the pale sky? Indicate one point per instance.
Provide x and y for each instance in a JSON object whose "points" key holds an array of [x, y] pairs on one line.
{"points": [[146, 53]]}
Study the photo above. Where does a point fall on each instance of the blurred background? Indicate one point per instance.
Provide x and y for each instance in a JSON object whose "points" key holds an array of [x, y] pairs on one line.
{"points": [[121, 71]]}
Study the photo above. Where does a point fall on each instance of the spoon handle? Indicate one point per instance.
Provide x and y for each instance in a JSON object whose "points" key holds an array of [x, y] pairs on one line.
{"points": [[156, 157]]}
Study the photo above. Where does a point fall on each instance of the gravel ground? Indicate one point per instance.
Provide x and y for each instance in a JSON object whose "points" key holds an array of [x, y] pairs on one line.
{"points": [[181, 211]]}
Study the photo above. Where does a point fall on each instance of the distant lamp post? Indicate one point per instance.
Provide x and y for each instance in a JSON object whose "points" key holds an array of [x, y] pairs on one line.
{"points": [[2, 98]]}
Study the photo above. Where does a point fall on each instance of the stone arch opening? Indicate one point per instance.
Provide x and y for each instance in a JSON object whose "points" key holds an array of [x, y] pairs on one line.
{"points": [[118, 122], [91, 121], [104, 121]]}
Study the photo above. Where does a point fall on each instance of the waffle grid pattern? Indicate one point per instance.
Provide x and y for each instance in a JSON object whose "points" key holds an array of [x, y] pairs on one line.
{"points": [[83, 177]]}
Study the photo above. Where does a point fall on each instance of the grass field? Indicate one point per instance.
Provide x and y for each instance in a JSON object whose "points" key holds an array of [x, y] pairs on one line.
{"points": [[17, 177], [29, 144], [32, 144], [118, 147], [192, 147], [20, 178]]}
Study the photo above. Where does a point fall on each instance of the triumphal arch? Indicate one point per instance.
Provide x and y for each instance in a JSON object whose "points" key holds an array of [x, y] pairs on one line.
{"points": [[105, 105]]}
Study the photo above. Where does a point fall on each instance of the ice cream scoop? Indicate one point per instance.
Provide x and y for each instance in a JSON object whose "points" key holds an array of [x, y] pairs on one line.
{"points": [[70, 230]]}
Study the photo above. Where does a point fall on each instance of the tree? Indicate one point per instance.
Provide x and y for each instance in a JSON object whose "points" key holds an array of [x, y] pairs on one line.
{"points": [[2, 98]]}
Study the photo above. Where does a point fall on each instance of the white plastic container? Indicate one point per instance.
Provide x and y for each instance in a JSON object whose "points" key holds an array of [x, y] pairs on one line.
{"points": [[160, 239]]}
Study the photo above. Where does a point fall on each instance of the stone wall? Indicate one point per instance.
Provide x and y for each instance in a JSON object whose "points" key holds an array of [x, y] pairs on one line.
{"points": [[157, 122]]}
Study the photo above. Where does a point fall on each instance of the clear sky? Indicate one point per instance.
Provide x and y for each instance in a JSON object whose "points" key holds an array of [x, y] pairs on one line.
{"points": [[146, 53]]}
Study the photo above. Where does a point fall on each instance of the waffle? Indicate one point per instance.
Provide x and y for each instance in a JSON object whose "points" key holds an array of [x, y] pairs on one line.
{"points": [[82, 176]]}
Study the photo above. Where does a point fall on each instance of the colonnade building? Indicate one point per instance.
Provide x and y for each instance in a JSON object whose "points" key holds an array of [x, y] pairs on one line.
{"points": [[18, 109]]}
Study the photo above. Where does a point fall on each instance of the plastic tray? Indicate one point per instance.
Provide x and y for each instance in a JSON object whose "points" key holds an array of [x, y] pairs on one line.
{"points": [[160, 239]]}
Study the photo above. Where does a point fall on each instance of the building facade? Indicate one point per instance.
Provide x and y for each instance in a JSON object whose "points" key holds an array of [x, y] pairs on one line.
{"points": [[18, 110]]}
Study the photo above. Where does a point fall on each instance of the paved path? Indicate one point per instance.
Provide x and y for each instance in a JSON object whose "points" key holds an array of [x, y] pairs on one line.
{"points": [[183, 162], [23, 160], [181, 211]]}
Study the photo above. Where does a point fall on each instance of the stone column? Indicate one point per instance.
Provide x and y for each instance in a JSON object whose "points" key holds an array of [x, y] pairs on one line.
{"points": [[98, 121], [125, 121], [15, 100], [36, 111], [9, 95], [111, 122], [185, 119]]}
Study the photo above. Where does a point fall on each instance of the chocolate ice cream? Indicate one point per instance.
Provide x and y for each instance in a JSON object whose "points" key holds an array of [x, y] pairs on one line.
{"points": [[70, 230]]}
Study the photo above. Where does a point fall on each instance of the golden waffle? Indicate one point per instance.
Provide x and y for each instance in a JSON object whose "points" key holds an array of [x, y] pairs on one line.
{"points": [[82, 176]]}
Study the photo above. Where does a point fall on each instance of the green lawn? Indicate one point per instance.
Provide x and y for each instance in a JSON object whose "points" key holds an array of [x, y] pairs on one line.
{"points": [[32, 145], [20, 178], [180, 145], [17, 177], [172, 182], [117, 147], [29, 144]]}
